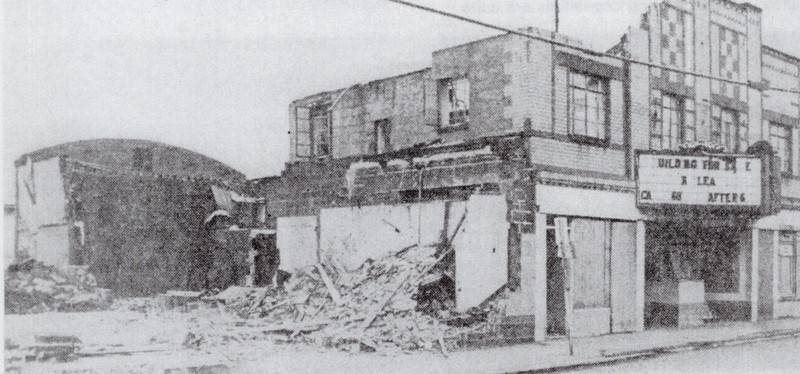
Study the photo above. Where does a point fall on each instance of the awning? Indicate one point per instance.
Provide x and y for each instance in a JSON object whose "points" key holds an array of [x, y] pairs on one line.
{"points": [[784, 220]]}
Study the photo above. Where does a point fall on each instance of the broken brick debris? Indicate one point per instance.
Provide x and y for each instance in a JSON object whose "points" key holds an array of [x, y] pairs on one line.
{"points": [[33, 287], [374, 308]]}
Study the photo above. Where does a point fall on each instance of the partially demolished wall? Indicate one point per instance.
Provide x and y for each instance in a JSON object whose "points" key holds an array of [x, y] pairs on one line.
{"points": [[139, 235]]}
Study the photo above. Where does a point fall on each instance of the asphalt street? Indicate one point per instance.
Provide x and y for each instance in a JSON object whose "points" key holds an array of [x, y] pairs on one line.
{"points": [[776, 356]]}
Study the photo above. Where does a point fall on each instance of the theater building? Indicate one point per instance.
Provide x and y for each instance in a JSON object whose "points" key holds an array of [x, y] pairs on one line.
{"points": [[674, 197]]}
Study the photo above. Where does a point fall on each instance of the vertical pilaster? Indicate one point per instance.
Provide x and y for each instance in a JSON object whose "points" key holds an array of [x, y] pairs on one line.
{"points": [[754, 279], [640, 280], [540, 279], [754, 98], [702, 53]]}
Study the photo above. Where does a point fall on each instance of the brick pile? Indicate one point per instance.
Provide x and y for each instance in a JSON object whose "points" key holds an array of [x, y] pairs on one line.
{"points": [[33, 287], [374, 308]]}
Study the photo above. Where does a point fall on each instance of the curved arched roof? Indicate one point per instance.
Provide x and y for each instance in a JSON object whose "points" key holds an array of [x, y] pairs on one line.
{"points": [[119, 154]]}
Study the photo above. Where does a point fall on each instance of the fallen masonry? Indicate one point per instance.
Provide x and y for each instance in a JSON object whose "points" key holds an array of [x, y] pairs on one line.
{"points": [[33, 287], [375, 308]]}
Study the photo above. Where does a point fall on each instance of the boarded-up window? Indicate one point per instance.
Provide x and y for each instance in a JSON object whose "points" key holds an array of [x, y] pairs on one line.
{"points": [[592, 264], [302, 132]]}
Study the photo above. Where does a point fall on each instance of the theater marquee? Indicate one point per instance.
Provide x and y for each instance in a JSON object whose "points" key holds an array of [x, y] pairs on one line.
{"points": [[699, 180]]}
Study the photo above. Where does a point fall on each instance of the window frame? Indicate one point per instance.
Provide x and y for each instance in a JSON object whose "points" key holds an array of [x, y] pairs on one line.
{"points": [[306, 135], [736, 131], [785, 157], [683, 109], [603, 91], [447, 91], [320, 137], [381, 134]]}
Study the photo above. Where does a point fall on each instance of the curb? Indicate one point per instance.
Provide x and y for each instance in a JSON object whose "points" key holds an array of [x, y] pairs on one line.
{"points": [[626, 356]]}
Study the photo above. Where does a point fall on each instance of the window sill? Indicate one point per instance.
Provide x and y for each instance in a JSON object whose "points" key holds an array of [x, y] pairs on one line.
{"points": [[453, 128], [794, 299], [588, 140]]}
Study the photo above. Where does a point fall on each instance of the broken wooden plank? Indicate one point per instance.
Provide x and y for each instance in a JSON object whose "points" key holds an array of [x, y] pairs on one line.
{"points": [[371, 318], [296, 327], [335, 295]]}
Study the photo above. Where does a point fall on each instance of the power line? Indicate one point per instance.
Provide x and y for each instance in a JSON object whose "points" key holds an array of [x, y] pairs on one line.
{"points": [[580, 49]]}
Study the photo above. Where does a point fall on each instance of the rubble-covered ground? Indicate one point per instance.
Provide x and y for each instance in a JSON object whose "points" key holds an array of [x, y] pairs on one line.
{"points": [[374, 310], [32, 287]]}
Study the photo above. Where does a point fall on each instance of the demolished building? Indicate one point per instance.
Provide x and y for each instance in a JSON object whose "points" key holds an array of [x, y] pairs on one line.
{"points": [[538, 144], [136, 214]]}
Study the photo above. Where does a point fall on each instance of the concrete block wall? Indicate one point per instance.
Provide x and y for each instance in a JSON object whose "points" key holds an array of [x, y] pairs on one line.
{"points": [[408, 101], [484, 64]]}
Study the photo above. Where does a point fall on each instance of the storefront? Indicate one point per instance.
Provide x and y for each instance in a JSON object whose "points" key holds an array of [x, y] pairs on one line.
{"points": [[701, 241]]}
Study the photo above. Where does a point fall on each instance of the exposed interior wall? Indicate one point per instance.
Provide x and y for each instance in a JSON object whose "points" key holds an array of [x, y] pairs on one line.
{"points": [[9, 227], [52, 243], [481, 249], [297, 241], [41, 203], [351, 235]]}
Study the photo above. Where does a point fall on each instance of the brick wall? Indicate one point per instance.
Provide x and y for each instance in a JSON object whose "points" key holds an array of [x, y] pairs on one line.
{"points": [[143, 235]]}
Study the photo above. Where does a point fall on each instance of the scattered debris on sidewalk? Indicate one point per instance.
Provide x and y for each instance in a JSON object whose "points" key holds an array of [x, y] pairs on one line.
{"points": [[33, 287], [377, 307]]}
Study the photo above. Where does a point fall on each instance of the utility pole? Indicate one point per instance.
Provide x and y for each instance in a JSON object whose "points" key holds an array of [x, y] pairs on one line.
{"points": [[556, 16]]}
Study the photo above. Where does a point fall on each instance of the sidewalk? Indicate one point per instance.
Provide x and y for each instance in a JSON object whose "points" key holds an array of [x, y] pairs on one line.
{"points": [[259, 357], [549, 355]]}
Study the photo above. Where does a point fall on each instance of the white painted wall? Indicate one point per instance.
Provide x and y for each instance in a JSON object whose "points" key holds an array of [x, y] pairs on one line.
{"points": [[8, 238], [52, 245], [578, 202], [481, 250], [351, 235], [43, 233], [297, 241]]}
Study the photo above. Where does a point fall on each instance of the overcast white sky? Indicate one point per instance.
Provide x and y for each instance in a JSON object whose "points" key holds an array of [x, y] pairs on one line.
{"points": [[217, 76]]}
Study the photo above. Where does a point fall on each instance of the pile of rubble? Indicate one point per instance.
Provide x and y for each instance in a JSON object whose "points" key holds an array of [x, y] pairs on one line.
{"points": [[372, 308], [33, 287]]}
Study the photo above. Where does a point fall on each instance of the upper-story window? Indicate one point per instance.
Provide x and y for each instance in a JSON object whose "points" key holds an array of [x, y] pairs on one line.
{"points": [[312, 132], [672, 120], [781, 139], [729, 129], [381, 137], [453, 102], [588, 117]]}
